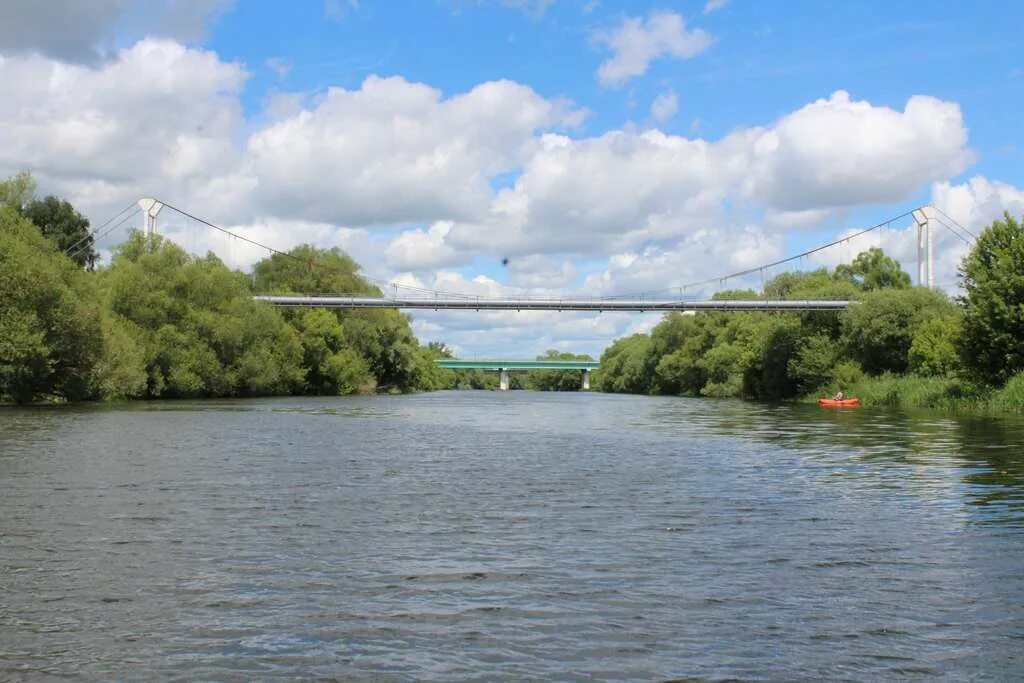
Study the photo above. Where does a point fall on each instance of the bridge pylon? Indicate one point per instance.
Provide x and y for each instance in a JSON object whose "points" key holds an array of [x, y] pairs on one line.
{"points": [[150, 208]]}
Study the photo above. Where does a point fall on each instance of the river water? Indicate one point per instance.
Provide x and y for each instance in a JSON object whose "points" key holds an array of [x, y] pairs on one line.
{"points": [[508, 536]]}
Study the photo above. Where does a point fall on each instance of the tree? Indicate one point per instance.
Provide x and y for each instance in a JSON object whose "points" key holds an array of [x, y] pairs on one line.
{"points": [[934, 349], [68, 229], [879, 330], [624, 367], [992, 275], [51, 335], [203, 334], [17, 191], [556, 380], [813, 365], [873, 270]]}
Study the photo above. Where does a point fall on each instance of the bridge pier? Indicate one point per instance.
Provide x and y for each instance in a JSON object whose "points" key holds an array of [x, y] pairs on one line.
{"points": [[503, 382], [586, 380]]}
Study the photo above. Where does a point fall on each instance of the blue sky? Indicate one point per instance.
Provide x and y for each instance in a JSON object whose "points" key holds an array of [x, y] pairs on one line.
{"points": [[602, 147], [764, 62]]}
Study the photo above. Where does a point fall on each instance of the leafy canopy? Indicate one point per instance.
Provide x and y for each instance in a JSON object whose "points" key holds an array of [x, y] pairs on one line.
{"points": [[992, 275]]}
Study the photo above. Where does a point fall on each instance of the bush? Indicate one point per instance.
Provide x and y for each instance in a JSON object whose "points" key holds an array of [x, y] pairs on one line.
{"points": [[879, 331], [1011, 397], [934, 348]]}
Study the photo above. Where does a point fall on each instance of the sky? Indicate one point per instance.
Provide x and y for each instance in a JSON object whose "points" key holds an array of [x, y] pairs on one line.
{"points": [[525, 147]]}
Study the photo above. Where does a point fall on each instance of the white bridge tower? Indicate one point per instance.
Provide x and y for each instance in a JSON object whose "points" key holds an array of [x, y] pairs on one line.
{"points": [[925, 249], [150, 208]]}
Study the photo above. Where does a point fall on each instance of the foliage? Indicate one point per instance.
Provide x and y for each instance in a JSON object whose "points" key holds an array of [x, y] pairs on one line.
{"points": [[878, 332], [556, 380], [934, 348], [992, 275], [1010, 398], [873, 270], [203, 334], [861, 351], [814, 363], [624, 366], [16, 192], [51, 335], [910, 391], [69, 230]]}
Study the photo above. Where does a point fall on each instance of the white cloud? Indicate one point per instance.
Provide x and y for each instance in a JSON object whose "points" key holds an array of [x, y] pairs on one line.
{"points": [[537, 271], [637, 42], [421, 249], [978, 202], [84, 30], [282, 66], [808, 218], [714, 5], [626, 189], [160, 118], [395, 151], [664, 106], [839, 152], [705, 253]]}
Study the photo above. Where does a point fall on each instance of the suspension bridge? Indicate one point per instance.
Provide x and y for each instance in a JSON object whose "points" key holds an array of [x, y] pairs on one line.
{"points": [[923, 219]]}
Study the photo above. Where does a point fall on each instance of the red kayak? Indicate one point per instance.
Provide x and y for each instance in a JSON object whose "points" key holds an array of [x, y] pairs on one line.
{"points": [[844, 403]]}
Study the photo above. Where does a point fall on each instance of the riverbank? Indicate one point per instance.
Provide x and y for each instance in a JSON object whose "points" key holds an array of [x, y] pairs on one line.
{"points": [[949, 394]]}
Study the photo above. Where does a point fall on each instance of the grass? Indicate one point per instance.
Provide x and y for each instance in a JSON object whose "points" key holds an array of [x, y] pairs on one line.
{"points": [[935, 393]]}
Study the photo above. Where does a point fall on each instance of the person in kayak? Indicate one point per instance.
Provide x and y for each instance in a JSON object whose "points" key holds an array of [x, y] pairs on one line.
{"points": [[838, 396]]}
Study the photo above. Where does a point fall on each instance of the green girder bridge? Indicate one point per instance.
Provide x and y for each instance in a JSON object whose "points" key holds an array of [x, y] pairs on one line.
{"points": [[505, 366]]}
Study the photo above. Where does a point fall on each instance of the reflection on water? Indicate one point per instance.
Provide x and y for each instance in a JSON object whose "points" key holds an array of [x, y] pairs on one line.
{"points": [[469, 535]]}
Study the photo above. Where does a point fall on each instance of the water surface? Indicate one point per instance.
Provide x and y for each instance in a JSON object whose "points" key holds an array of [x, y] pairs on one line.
{"points": [[480, 535]]}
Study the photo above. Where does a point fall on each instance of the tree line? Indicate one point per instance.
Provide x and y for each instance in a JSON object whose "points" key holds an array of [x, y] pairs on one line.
{"points": [[158, 322], [900, 345]]}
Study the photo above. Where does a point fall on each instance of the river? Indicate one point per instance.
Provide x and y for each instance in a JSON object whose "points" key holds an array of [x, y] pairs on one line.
{"points": [[508, 536]]}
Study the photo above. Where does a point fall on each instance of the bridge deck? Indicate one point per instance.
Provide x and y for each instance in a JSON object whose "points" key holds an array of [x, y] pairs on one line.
{"points": [[634, 305]]}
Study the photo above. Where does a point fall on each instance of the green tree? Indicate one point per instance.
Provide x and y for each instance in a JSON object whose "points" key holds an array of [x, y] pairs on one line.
{"points": [[69, 230], [677, 344], [934, 348], [992, 275], [203, 334], [624, 366], [17, 191], [813, 365], [878, 331], [51, 335], [767, 375], [556, 380], [383, 338], [873, 270]]}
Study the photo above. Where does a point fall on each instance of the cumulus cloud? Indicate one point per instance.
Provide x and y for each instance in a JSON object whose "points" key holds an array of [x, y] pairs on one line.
{"points": [[394, 151], [637, 42], [978, 202], [706, 253], [158, 118], [624, 189], [538, 271], [664, 106], [714, 5], [840, 152], [82, 31], [422, 249]]}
